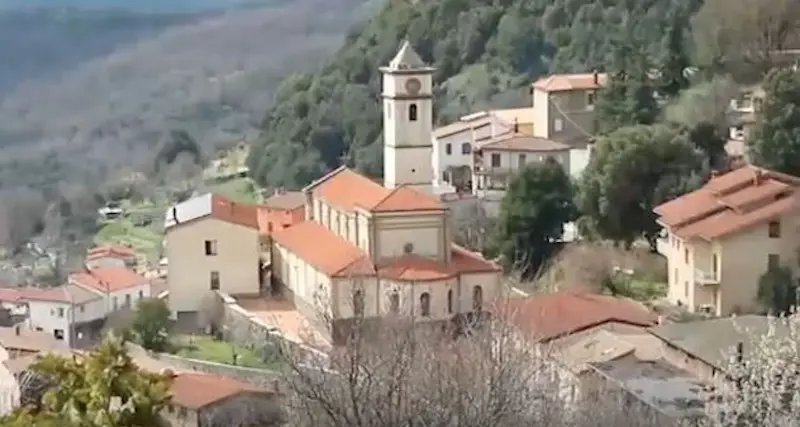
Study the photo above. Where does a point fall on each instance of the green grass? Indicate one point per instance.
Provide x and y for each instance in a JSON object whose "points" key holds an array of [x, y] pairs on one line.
{"points": [[145, 240], [238, 189], [208, 349]]}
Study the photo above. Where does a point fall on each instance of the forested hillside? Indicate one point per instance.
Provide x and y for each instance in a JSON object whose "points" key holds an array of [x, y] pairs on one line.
{"points": [[486, 52], [213, 78]]}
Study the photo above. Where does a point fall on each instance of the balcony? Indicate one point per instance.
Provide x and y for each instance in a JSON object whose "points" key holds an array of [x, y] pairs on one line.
{"points": [[705, 277]]}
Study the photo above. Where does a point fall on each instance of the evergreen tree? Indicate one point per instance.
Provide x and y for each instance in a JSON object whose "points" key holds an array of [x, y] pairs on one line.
{"points": [[776, 142], [672, 79], [538, 203]]}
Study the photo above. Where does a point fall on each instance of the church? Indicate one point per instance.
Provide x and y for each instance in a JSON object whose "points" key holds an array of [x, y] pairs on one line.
{"points": [[370, 250]]}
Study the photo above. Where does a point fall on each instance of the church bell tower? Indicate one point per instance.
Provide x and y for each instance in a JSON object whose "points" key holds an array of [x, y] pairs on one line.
{"points": [[408, 121]]}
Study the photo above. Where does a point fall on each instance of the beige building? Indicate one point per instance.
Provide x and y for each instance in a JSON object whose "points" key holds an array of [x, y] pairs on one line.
{"points": [[502, 157], [720, 239], [212, 243], [207, 400], [564, 107], [370, 250]]}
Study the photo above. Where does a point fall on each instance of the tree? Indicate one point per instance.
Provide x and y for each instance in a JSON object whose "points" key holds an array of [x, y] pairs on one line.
{"points": [[403, 373], [775, 143], [632, 170], [151, 324], [744, 37], [537, 204], [776, 290], [763, 382], [628, 98], [675, 62], [103, 389]]}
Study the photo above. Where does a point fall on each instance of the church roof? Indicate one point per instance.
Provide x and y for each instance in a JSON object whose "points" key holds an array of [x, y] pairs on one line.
{"points": [[334, 256], [346, 189], [407, 59]]}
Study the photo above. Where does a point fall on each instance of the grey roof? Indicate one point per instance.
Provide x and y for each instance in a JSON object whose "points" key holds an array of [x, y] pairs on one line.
{"points": [[194, 208], [658, 384], [407, 59], [714, 340]]}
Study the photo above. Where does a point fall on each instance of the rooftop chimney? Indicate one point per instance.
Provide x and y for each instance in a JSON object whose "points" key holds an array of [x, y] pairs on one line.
{"points": [[596, 78], [516, 125], [175, 214], [757, 178]]}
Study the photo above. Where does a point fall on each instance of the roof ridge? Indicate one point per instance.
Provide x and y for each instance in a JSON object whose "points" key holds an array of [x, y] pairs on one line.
{"points": [[324, 178]]}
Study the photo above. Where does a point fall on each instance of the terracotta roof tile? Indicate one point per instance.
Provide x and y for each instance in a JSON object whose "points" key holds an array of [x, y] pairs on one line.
{"points": [[407, 199], [348, 190], [288, 200], [464, 125], [522, 142], [336, 257], [66, 294], [111, 251], [554, 315], [567, 82], [28, 340], [227, 210], [319, 247], [731, 202], [197, 390], [107, 279]]}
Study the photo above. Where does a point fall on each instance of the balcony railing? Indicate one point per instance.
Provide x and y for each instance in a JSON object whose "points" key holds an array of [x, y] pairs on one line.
{"points": [[705, 277]]}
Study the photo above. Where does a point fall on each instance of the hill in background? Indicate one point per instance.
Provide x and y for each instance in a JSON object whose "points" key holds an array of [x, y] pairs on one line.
{"points": [[213, 77]]}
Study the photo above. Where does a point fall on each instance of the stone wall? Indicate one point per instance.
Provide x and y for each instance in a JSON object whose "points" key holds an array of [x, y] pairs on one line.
{"points": [[245, 329], [259, 377]]}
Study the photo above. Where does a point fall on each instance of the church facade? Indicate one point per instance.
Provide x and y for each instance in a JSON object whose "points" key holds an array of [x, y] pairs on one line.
{"points": [[371, 250]]}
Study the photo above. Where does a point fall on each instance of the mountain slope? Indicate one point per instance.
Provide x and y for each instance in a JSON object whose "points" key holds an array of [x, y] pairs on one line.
{"points": [[485, 51], [214, 78], [40, 43]]}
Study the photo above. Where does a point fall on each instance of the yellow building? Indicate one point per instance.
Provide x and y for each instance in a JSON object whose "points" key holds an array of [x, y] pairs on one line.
{"points": [[720, 239]]}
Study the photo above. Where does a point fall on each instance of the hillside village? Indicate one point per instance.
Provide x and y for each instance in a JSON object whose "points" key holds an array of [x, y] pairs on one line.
{"points": [[307, 270]]}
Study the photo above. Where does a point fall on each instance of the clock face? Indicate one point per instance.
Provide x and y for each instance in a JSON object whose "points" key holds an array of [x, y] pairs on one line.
{"points": [[413, 86]]}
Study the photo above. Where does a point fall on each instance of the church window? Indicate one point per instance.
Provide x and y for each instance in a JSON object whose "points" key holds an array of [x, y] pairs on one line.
{"points": [[358, 303], [450, 301], [425, 304], [394, 303], [412, 112], [448, 148]]}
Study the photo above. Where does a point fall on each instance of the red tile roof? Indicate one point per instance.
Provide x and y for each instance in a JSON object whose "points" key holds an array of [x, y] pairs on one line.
{"points": [[729, 203], [107, 279], [334, 256], [197, 390], [110, 251], [549, 316], [227, 210], [523, 142], [287, 200], [348, 190], [567, 82], [66, 294]]}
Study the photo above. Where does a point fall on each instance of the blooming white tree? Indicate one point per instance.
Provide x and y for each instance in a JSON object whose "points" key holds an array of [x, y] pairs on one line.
{"points": [[763, 380]]}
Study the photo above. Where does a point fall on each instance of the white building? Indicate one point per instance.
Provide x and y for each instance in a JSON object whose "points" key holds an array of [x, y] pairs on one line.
{"points": [[120, 287], [66, 312], [408, 121]]}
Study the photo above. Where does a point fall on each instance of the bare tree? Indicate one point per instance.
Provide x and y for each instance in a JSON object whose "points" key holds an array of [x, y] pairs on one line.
{"points": [[473, 226], [397, 372], [745, 36]]}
